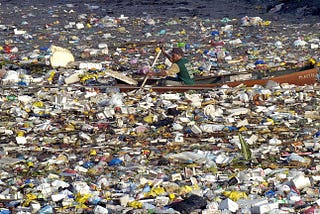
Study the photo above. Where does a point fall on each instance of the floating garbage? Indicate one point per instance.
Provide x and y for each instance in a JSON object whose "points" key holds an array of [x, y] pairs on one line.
{"points": [[72, 142]]}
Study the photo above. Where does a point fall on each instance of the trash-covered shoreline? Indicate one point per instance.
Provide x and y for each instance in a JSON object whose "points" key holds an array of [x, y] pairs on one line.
{"points": [[71, 142]]}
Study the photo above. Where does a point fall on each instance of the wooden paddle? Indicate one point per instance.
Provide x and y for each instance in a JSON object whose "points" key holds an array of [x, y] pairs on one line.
{"points": [[153, 64]]}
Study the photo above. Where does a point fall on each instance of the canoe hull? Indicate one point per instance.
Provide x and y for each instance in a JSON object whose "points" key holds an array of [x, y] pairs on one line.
{"points": [[306, 77]]}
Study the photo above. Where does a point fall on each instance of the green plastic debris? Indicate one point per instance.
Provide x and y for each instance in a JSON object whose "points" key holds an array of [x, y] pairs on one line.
{"points": [[246, 152]]}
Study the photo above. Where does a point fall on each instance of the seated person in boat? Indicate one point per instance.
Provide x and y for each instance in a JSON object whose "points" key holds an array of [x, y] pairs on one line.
{"points": [[178, 73]]}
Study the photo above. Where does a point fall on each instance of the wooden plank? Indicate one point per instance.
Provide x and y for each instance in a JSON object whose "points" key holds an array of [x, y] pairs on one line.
{"points": [[121, 77]]}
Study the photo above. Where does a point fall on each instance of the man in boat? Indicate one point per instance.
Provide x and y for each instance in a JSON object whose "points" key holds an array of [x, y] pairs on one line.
{"points": [[179, 71]]}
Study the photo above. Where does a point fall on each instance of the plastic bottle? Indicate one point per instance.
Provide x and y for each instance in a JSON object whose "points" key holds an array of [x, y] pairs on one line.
{"points": [[11, 97], [46, 210]]}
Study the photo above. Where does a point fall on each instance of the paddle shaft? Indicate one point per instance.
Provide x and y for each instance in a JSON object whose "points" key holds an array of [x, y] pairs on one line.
{"points": [[153, 64]]}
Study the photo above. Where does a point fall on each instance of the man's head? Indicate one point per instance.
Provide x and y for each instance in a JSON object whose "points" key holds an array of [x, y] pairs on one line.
{"points": [[177, 51], [176, 54]]}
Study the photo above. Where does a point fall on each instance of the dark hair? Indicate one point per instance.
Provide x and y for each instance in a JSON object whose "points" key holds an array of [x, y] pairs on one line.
{"points": [[178, 51]]}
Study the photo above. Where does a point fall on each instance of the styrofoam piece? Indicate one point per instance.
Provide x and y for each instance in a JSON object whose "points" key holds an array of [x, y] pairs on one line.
{"points": [[67, 202], [60, 183], [196, 129], [281, 176], [25, 98], [7, 196], [299, 43], [116, 100], [294, 198], [102, 45], [66, 192], [60, 57], [19, 32], [194, 181], [275, 142], [264, 208], [57, 197], [235, 41], [162, 201], [84, 136], [212, 111], [21, 140], [132, 110], [124, 200], [100, 210], [6, 131], [243, 123], [184, 119], [238, 111], [176, 177], [45, 189], [170, 96], [251, 202], [210, 128], [230, 119], [109, 112], [89, 94], [209, 178], [253, 139], [223, 159], [90, 66], [179, 138], [196, 99], [81, 169], [148, 204], [213, 206], [81, 187], [296, 157], [73, 78], [188, 156], [156, 182], [316, 178], [255, 190], [35, 206], [228, 204], [284, 188], [11, 77], [177, 127], [79, 25], [300, 181]]}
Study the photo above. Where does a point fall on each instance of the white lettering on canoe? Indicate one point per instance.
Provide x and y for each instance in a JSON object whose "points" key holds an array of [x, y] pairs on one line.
{"points": [[307, 76]]}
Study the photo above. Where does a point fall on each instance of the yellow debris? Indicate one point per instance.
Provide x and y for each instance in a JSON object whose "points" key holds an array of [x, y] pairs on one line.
{"points": [[266, 23], [81, 199], [30, 164], [135, 204], [172, 196], [38, 104], [148, 119], [158, 49], [93, 152], [270, 120], [235, 195], [243, 128]]}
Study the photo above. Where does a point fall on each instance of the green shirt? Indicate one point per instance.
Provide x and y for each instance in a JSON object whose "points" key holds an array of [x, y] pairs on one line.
{"points": [[183, 74]]}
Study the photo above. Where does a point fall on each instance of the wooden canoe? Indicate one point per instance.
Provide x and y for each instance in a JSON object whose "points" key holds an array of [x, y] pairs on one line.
{"points": [[304, 77]]}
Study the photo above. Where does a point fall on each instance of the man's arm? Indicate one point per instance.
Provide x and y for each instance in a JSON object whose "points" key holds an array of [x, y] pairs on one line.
{"points": [[172, 71], [166, 55], [157, 74]]}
